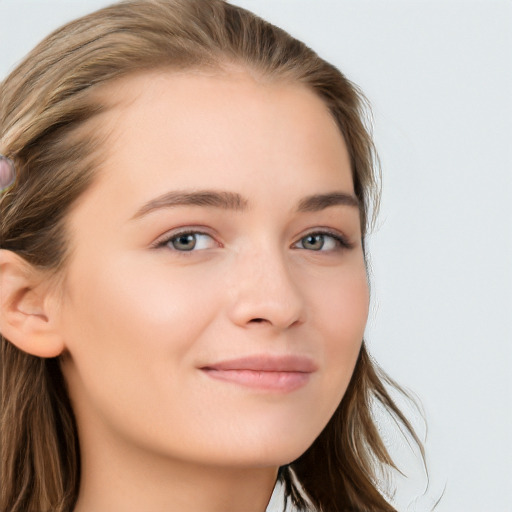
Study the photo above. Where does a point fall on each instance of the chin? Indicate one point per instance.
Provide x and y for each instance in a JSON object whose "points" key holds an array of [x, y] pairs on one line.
{"points": [[274, 452], [265, 440]]}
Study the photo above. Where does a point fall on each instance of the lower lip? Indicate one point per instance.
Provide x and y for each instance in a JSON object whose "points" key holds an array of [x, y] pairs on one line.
{"points": [[262, 380]]}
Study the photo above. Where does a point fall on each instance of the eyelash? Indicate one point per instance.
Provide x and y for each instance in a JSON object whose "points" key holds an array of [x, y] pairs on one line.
{"points": [[163, 243], [340, 240]]}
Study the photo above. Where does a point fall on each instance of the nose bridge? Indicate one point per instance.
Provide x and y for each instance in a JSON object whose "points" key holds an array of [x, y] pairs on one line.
{"points": [[263, 288]]}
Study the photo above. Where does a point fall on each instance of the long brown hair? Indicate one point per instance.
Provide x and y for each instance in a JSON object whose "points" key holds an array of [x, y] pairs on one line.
{"points": [[43, 103]]}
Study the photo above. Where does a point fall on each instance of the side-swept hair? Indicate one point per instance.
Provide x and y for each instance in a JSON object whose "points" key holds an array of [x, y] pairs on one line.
{"points": [[42, 104]]}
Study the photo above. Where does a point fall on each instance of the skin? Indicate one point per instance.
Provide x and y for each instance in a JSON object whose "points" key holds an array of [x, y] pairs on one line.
{"points": [[139, 318]]}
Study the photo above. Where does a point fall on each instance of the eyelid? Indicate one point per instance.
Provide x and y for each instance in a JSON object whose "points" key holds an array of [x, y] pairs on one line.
{"points": [[342, 241], [163, 240]]}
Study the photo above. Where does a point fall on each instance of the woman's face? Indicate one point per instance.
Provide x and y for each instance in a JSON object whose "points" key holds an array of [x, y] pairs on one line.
{"points": [[216, 295]]}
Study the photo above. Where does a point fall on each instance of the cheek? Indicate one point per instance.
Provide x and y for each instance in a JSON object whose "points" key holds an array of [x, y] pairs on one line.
{"points": [[133, 329], [342, 305], [128, 317], [342, 316]]}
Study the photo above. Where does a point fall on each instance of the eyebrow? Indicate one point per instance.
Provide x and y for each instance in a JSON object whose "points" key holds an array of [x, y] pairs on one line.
{"points": [[318, 202], [233, 201]]}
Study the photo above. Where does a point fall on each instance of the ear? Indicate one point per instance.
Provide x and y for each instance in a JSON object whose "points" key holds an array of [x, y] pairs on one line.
{"points": [[28, 307]]}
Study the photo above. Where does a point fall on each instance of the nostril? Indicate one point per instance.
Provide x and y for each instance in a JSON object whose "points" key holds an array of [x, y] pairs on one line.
{"points": [[258, 320]]}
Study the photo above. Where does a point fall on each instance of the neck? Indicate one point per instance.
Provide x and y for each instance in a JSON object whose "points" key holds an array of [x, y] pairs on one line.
{"points": [[131, 482]]}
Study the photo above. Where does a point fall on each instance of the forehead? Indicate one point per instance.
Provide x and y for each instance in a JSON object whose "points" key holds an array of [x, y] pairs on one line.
{"points": [[208, 114], [213, 94], [265, 140]]}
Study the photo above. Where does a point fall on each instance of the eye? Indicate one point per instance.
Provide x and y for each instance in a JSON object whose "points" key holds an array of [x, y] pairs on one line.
{"points": [[322, 241], [187, 241]]}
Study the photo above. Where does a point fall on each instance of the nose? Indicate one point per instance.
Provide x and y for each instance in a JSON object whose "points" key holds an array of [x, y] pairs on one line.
{"points": [[263, 291]]}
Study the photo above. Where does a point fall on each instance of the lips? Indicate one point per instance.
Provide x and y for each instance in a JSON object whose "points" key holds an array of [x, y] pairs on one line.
{"points": [[267, 373]]}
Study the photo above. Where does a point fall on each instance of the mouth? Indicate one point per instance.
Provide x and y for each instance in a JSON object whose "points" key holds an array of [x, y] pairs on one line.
{"points": [[266, 373]]}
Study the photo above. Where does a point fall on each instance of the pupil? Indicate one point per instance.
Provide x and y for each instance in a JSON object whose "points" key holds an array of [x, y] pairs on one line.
{"points": [[185, 242]]}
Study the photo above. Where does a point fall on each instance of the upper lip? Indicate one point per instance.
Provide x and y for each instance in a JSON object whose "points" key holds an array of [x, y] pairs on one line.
{"points": [[266, 363]]}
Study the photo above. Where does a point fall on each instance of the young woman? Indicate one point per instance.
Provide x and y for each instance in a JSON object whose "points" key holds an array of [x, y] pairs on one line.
{"points": [[186, 194]]}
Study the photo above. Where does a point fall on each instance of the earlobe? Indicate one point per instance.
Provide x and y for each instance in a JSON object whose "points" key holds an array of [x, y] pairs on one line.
{"points": [[28, 318]]}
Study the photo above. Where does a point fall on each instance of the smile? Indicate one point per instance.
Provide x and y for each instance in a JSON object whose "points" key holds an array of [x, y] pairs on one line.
{"points": [[280, 374]]}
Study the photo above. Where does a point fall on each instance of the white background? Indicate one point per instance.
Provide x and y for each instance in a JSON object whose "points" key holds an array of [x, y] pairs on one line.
{"points": [[439, 77]]}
